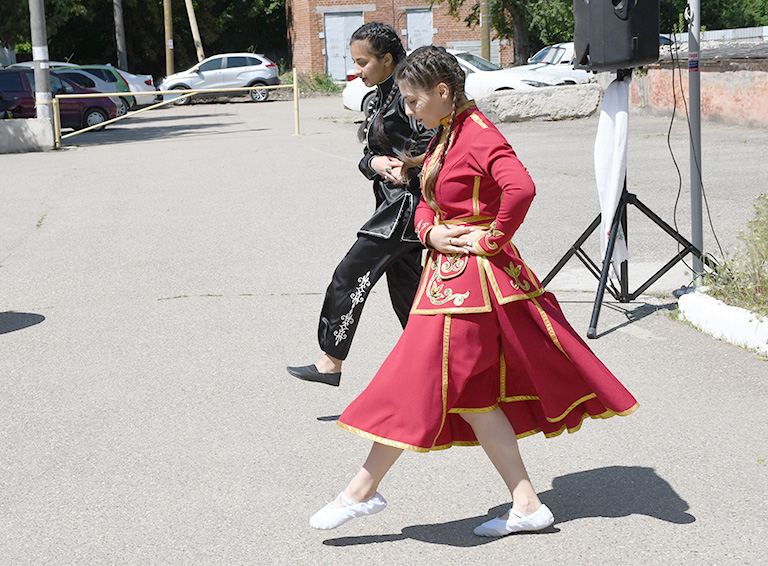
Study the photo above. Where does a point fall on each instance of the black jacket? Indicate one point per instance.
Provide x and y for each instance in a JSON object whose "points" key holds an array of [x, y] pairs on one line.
{"points": [[395, 204]]}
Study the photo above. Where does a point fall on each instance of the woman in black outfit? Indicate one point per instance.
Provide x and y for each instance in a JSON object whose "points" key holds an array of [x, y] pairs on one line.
{"points": [[386, 243]]}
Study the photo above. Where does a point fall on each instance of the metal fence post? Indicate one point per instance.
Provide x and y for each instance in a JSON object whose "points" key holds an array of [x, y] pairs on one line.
{"points": [[296, 101], [56, 123]]}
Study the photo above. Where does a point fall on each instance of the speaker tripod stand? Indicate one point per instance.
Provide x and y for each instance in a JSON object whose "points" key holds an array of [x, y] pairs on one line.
{"points": [[622, 293]]}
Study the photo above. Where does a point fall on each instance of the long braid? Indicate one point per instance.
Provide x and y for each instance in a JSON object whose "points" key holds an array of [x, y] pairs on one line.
{"points": [[423, 70], [377, 125], [380, 39]]}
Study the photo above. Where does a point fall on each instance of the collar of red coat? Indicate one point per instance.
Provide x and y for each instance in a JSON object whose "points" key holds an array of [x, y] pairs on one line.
{"points": [[461, 113]]}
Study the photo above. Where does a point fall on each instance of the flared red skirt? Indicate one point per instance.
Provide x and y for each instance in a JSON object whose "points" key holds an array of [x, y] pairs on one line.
{"points": [[523, 357]]}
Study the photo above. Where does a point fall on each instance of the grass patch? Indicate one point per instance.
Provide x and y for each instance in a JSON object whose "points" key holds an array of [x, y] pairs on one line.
{"points": [[742, 280], [318, 83]]}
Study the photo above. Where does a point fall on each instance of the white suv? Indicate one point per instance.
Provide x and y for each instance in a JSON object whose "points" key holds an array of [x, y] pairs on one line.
{"points": [[229, 70]]}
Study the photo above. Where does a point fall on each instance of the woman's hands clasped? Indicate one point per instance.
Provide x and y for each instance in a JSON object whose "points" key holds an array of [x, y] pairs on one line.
{"points": [[455, 239], [389, 168]]}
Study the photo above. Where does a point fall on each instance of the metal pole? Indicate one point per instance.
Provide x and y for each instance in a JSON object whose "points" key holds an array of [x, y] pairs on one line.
{"points": [[195, 30], [694, 94], [485, 30], [122, 54], [40, 56], [168, 21], [295, 102]]}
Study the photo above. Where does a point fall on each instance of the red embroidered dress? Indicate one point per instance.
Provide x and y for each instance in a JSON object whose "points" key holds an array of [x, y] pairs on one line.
{"points": [[482, 332]]}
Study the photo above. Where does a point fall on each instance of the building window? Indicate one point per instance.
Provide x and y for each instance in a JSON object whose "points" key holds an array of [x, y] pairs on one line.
{"points": [[419, 26]]}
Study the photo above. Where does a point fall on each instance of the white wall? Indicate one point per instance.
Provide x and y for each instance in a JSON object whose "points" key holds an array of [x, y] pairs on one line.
{"points": [[7, 56]]}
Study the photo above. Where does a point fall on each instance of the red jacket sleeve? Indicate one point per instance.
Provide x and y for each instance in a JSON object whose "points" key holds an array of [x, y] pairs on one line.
{"points": [[497, 160], [424, 220]]}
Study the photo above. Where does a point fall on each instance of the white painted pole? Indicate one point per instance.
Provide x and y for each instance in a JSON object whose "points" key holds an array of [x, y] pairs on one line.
{"points": [[40, 57], [694, 110]]}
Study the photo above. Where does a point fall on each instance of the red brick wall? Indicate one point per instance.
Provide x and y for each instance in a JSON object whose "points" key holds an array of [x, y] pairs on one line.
{"points": [[305, 25]]}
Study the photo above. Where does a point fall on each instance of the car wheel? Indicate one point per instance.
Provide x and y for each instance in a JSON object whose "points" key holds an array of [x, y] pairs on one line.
{"points": [[182, 101], [368, 103], [93, 117], [122, 107], [259, 94]]}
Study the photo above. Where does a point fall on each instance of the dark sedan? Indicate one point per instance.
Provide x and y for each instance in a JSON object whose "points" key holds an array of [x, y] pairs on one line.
{"points": [[75, 113]]}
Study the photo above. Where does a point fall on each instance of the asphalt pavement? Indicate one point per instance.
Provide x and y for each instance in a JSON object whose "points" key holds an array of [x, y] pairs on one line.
{"points": [[157, 277]]}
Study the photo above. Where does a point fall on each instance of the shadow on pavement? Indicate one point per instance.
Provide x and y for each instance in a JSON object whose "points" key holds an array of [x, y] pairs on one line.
{"points": [[147, 133], [616, 491], [13, 321], [636, 313], [633, 312]]}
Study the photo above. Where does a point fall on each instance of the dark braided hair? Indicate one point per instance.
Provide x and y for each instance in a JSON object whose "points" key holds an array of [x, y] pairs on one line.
{"points": [[423, 70], [380, 39]]}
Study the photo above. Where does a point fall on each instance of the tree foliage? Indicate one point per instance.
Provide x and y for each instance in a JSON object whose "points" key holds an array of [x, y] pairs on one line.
{"points": [[532, 24], [83, 30], [529, 24]]}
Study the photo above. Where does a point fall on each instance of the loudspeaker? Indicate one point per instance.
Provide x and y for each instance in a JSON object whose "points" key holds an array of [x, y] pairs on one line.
{"points": [[615, 34]]}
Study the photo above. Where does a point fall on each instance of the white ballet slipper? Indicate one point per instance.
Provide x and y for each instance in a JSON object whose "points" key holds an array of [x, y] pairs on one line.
{"points": [[330, 516], [517, 523]]}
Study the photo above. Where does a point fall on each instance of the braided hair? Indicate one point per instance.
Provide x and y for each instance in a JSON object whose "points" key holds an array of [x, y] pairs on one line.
{"points": [[423, 70], [380, 39]]}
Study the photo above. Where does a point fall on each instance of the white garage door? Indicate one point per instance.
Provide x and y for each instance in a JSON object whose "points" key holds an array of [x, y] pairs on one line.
{"points": [[338, 29], [419, 26]]}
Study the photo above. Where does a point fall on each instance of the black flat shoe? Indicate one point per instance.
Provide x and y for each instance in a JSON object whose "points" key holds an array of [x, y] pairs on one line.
{"points": [[310, 373]]}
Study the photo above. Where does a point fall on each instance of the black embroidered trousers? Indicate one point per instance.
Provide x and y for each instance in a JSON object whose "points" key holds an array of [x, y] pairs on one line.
{"points": [[366, 261]]}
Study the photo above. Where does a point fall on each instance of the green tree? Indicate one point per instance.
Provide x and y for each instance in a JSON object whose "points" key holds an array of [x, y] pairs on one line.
{"points": [[529, 24], [670, 12], [14, 22], [84, 30], [532, 24]]}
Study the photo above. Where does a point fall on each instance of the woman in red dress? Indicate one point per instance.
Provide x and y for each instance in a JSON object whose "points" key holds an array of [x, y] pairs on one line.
{"points": [[487, 356]]}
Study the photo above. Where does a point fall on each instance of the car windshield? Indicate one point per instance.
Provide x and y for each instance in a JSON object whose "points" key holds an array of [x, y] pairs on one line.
{"points": [[478, 62], [58, 86], [548, 55]]}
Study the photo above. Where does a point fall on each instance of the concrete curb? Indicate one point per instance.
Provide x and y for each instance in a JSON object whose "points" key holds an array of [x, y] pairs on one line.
{"points": [[733, 324], [547, 103], [23, 135]]}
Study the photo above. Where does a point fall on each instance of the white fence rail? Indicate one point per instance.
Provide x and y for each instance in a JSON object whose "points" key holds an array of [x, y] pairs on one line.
{"points": [[746, 35]]}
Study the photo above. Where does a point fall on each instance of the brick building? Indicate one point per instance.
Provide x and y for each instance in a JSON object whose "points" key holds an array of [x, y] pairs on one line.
{"points": [[319, 31]]}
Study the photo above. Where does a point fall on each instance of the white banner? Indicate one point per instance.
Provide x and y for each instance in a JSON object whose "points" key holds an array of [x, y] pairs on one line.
{"points": [[611, 163]]}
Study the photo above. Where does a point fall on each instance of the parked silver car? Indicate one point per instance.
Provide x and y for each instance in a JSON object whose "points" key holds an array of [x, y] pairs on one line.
{"points": [[229, 70]]}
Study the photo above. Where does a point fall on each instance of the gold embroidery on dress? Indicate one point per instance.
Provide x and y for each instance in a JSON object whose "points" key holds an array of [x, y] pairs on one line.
{"points": [[436, 292], [514, 273], [453, 266], [492, 233], [550, 328], [422, 225]]}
